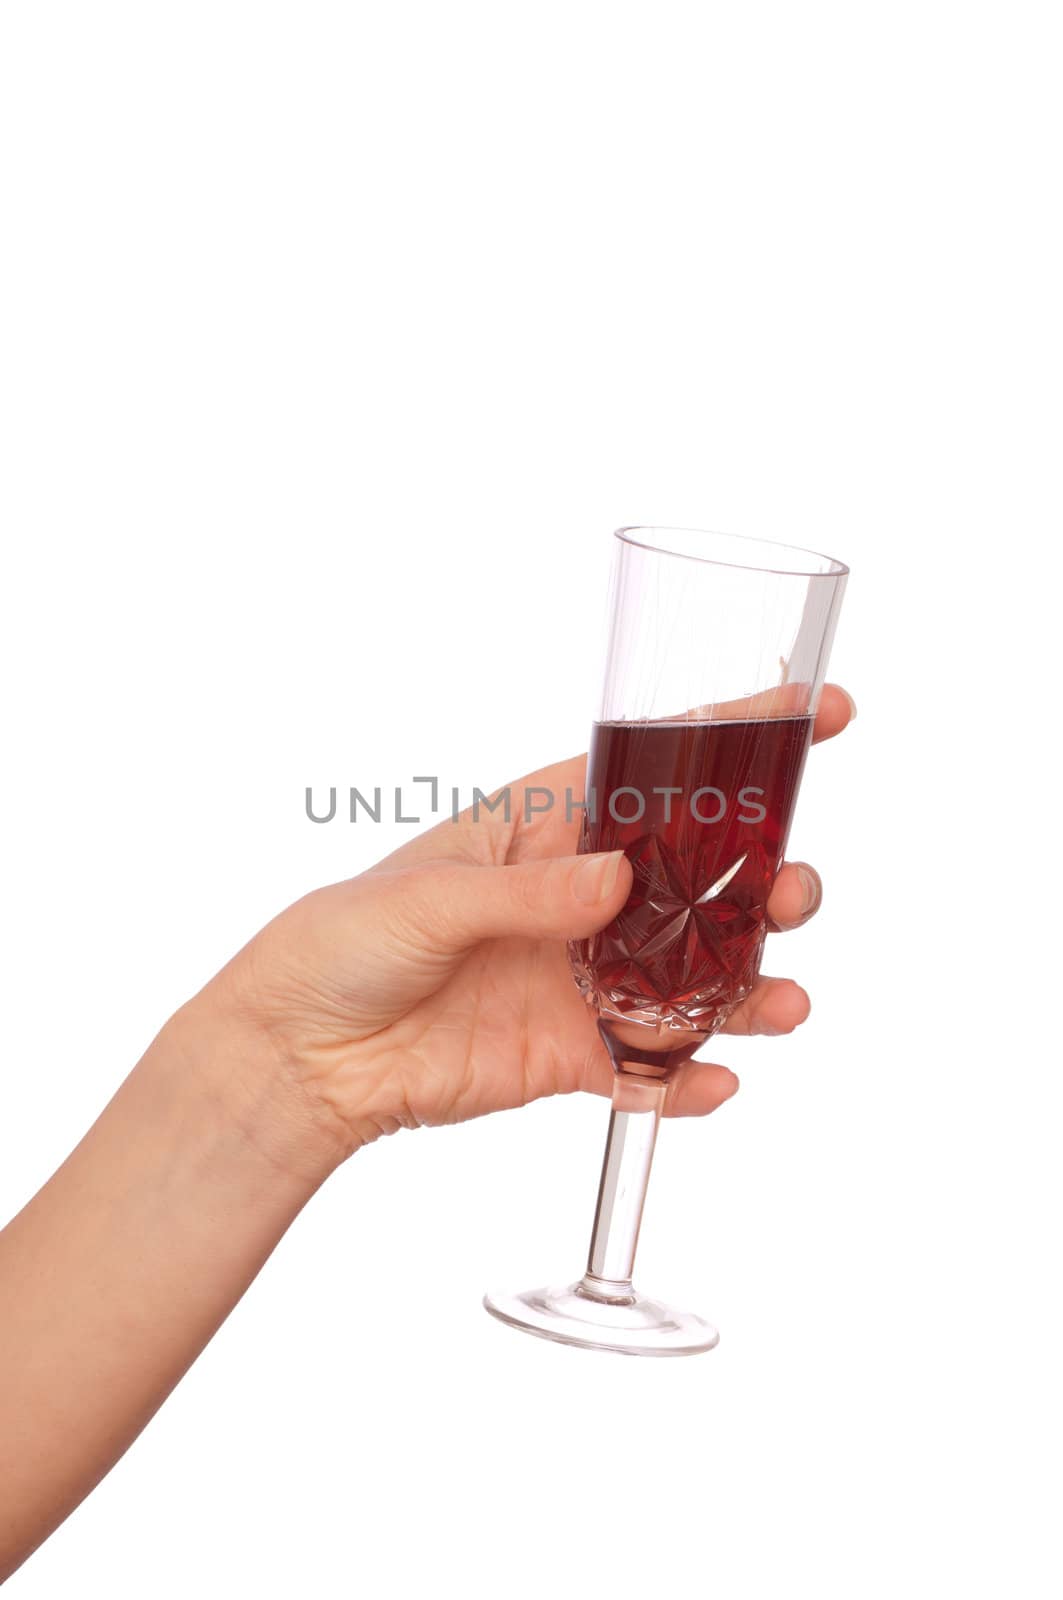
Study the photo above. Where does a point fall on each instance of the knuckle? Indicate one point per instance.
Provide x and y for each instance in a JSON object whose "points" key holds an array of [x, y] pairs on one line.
{"points": [[418, 902], [526, 889]]}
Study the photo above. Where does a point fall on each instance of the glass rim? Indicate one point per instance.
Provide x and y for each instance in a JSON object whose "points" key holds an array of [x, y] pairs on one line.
{"points": [[834, 569]]}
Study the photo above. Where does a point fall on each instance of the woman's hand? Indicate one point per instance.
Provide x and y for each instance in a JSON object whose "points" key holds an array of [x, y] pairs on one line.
{"points": [[432, 988], [436, 986]]}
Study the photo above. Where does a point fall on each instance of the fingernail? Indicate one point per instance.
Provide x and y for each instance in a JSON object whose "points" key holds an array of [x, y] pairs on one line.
{"points": [[595, 878], [811, 890], [852, 704]]}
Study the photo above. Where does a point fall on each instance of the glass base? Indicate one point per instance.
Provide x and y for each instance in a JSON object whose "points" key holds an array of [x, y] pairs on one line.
{"points": [[618, 1319]]}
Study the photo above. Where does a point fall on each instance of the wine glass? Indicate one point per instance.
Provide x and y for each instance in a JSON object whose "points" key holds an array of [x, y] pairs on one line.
{"points": [[717, 652]]}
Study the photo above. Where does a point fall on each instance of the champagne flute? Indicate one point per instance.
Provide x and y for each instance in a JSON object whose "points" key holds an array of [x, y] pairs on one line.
{"points": [[717, 652]]}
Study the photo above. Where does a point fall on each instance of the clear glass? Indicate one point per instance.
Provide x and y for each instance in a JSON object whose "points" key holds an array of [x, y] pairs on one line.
{"points": [[717, 651]]}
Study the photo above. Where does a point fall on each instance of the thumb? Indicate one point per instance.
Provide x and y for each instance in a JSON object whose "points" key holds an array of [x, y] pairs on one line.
{"points": [[451, 906]]}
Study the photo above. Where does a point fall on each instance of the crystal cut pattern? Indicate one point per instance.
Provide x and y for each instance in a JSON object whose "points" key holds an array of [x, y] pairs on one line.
{"points": [[678, 956], [701, 810]]}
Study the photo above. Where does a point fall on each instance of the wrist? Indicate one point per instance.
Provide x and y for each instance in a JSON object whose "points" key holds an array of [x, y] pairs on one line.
{"points": [[249, 1086]]}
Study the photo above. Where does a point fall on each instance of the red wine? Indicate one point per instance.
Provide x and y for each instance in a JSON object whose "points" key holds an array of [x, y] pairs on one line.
{"points": [[702, 811]]}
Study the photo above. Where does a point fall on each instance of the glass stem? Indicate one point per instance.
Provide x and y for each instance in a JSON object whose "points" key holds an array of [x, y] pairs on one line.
{"points": [[637, 1104]]}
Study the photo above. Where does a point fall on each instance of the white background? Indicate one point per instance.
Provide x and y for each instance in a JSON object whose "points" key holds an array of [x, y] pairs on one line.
{"points": [[336, 339]]}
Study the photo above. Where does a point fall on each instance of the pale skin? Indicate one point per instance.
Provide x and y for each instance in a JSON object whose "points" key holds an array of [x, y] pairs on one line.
{"points": [[431, 989]]}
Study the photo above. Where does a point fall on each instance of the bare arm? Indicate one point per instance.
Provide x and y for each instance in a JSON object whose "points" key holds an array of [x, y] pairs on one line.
{"points": [[114, 1277]]}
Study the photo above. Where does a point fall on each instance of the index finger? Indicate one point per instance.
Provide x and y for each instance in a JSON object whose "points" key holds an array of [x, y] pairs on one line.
{"points": [[836, 710], [497, 837]]}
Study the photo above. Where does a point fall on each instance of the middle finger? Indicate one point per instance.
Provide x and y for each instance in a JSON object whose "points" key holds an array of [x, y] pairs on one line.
{"points": [[795, 896]]}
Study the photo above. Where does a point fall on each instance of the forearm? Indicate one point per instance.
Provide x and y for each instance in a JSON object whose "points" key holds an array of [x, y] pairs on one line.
{"points": [[121, 1269]]}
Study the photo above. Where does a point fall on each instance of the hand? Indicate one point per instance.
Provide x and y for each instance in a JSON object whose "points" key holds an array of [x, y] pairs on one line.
{"points": [[436, 986]]}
